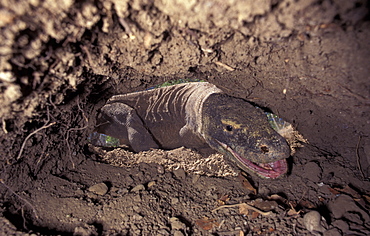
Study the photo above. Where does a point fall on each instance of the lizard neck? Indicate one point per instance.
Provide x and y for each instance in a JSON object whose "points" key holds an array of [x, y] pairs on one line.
{"points": [[198, 94]]}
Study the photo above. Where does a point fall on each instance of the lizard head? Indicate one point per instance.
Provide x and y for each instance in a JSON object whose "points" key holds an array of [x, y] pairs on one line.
{"points": [[241, 132]]}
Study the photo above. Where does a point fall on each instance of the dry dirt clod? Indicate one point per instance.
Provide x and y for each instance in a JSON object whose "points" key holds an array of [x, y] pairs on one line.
{"points": [[100, 189], [180, 174], [312, 222], [176, 224], [151, 184], [138, 188], [85, 230], [178, 233]]}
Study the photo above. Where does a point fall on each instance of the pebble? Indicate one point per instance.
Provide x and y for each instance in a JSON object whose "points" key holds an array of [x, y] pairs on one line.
{"points": [[138, 188], [136, 208], [312, 222], [174, 200], [129, 180], [122, 191], [178, 233], [100, 189], [136, 198], [176, 224], [151, 184], [85, 230], [179, 173], [195, 179], [137, 217], [160, 169], [163, 232]]}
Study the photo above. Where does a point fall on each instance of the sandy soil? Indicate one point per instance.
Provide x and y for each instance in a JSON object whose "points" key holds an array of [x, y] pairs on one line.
{"points": [[307, 61]]}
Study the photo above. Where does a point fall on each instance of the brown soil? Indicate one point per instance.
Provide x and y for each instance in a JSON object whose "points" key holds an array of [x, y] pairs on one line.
{"points": [[307, 61]]}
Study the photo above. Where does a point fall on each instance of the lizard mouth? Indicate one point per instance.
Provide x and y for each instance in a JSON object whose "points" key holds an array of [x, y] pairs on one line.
{"points": [[271, 170]]}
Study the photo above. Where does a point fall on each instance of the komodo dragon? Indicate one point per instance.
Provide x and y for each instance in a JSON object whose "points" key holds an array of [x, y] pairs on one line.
{"points": [[197, 115]]}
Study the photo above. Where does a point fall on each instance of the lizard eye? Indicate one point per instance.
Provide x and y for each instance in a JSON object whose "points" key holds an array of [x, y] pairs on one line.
{"points": [[229, 128]]}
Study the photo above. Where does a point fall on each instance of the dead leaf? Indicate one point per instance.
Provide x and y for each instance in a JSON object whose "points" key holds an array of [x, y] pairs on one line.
{"points": [[321, 199], [255, 214], [350, 191], [333, 191], [292, 211], [222, 200], [257, 230], [207, 224], [367, 198], [307, 204]]}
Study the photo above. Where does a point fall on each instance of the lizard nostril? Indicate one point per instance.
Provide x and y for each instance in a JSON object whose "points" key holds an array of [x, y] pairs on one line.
{"points": [[264, 149]]}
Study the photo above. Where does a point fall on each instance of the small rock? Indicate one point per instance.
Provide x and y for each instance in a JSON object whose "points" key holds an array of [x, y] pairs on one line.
{"points": [[136, 198], [136, 208], [179, 173], [195, 179], [129, 180], [138, 188], [85, 230], [137, 217], [174, 201], [122, 191], [263, 190], [176, 224], [160, 169], [341, 224], [163, 232], [79, 192], [151, 184], [178, 233], [312, 222], [114, 189], [343, 204], [100, 189]]}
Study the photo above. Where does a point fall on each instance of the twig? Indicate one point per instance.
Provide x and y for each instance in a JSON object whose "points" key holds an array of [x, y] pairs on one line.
{"points": [[229, 68], [17, 195], [247, 206], [4, 126], [220, 225], [51, 102], [358, 158], [34, 132]]}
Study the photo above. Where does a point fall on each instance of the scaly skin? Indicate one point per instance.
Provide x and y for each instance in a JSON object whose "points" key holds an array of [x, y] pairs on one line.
{"points": [[197, 115], [242, 133]]}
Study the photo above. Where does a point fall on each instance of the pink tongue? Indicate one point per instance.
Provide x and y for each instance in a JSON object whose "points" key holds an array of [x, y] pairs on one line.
{"points": [[268, 170]]}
